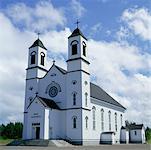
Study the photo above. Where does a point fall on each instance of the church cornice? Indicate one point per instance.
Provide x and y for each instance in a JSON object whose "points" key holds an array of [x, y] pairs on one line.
{"points": [[78, 59], [38, 68], [79, 70]]}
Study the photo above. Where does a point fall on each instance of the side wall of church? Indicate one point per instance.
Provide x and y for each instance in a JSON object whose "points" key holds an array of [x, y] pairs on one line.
{"points": [[92, 136]]}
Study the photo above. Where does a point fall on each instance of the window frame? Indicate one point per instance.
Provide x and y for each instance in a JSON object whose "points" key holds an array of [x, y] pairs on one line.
{"points": [[74, 98], [33, 58], [94, 118], [42, 59], [86, 99], [86, 122], [109, 115], [102, 119], [84, 48], [116, 122], [74, 122]]}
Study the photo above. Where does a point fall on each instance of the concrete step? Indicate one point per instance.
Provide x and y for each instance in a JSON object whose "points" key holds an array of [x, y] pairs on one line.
{"points": [[29, 143], [61, 143]]}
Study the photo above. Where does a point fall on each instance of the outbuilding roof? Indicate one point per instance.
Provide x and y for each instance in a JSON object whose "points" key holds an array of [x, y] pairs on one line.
{"points": [[135, 126]]}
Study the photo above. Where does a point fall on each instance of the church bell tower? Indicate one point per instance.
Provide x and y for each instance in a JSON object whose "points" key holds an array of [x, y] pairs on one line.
{"points": [[36, 69], [78, 84]]}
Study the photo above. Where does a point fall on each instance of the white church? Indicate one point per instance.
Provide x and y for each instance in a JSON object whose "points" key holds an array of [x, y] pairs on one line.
{"points": [[64, 104]]}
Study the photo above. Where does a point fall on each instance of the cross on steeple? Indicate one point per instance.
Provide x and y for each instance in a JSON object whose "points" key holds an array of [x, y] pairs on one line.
{"points": [[38, 34], [77, 23], [54, 62]]}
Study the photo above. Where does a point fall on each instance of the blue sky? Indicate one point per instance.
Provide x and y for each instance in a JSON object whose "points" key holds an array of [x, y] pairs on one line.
{"points": [[119, 33]]}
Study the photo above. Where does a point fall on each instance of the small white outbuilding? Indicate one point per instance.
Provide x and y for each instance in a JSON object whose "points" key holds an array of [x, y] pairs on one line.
{"points": [[133, 133]]}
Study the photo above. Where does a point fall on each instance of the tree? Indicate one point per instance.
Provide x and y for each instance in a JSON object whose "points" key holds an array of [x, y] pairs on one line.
{"points": [[148, 133], [11, 130]]}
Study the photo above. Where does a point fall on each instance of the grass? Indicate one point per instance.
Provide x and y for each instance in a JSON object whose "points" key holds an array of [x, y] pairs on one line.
{"points": [[4, 141], [149, 141]]}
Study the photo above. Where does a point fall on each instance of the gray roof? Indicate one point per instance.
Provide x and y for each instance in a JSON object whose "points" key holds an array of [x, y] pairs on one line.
{"points": [[77, 32], [60, 69], [133, 126], [39, 43], [98, 93], [48, 103]]}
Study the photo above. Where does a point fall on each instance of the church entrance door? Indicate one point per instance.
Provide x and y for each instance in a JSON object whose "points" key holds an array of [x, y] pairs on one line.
{"points": [[37, 132]]}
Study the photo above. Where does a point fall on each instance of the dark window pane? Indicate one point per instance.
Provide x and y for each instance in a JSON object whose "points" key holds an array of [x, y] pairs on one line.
{"points": [[42, 60], [74, 99], [74, 49], [84, 50], [32, 59], [74, 122]]}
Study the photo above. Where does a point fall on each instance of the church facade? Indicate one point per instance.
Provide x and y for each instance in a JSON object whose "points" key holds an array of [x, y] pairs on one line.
{"points": [[64, 104]]}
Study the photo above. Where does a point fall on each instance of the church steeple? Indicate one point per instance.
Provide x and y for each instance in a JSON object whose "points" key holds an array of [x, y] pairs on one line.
{"points": [[77, 32], [77, 51], [39, 43], [37, 60]]}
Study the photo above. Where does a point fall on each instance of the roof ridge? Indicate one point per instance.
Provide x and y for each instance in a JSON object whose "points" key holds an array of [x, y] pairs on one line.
{"points": [[61, 69], [108, 96]]}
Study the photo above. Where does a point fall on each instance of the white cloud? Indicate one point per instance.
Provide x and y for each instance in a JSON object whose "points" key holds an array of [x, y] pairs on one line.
{"points": [[123, 34], [42, 17], [139, 21], [14, 52], [95, 29], [77, 8], [118, 71]]}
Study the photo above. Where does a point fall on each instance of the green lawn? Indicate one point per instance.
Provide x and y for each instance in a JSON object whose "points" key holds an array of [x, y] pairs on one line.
{"points": [[149, 141], [5, 141]]}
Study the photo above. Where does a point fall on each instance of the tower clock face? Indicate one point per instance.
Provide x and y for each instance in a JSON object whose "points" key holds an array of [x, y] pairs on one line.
{"points": [[53, 91]]}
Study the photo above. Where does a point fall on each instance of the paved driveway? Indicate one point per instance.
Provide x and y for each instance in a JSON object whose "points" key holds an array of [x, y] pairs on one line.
{"points": [[102, 147]]}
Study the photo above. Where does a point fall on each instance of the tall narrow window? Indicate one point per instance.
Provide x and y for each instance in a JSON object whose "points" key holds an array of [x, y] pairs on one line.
{"points": [[84, 49], [102, 119], [93, 117], [86, 99], [86, 122], [121, 120], [42, 58], [33, 57], [74, 122], [74, 49], [74, 98], [109, 113], [135, 132], [116, 122]]}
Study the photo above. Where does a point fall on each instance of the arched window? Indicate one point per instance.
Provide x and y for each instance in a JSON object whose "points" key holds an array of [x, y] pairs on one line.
{"points": [[102, 119], [42, 58], [121, 120], [109, 114], [74, 98], [74, 47], [33, 57], [84, 49], [86, 99], [116, 122], [93, 117], [74, 122], [86, 122]]}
